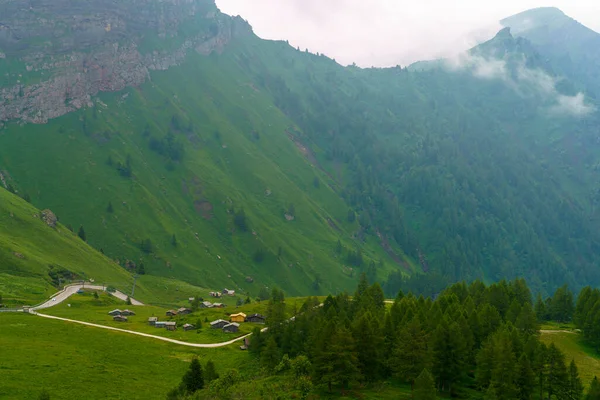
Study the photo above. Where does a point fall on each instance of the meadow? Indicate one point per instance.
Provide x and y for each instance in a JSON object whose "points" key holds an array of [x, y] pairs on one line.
{"points": [[570, 342], [74, 361]]}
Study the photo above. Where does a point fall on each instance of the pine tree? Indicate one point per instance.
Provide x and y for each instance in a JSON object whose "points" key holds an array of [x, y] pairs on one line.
{"points": [[410, 355], [210, 371], [256, 341], [369, 345], [193, 379], [448, 356], [575, 388], [540, 308], [526, 321], [269, 356], [503, 372], [593, 392], [337, 361], [557, 379], [81, 234], [424, 387], [525, 379]]}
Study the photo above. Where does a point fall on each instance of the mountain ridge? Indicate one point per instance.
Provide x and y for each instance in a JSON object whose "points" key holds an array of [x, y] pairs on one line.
{"points": [[254, 164]]}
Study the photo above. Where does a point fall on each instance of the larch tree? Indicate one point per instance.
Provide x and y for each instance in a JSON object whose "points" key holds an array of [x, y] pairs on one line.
{"points": [[424, 387]]}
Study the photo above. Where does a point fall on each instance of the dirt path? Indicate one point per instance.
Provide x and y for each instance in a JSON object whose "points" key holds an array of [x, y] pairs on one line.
{"points": [[555, 331], [200, 345]]}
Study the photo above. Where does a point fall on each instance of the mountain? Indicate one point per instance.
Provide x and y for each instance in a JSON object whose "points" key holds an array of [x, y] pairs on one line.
{"points": [[569, 45], [36, 252], [181, 140], [198, 167]]}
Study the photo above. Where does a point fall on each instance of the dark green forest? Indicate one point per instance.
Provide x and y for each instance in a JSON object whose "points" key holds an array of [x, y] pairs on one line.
{"points": [[471, 341], [467, 176]]}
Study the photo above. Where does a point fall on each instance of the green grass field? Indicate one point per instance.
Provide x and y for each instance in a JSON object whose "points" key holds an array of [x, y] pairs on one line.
{"points": [[571, 343], [84, 307], [73, 361]]}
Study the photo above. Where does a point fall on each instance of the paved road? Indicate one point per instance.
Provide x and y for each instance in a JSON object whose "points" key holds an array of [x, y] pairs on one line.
{"points": [[200, 345], [68, 291]]}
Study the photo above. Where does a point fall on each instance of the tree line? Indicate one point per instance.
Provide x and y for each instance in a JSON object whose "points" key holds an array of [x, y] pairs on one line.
{"points": [[469, 339]]}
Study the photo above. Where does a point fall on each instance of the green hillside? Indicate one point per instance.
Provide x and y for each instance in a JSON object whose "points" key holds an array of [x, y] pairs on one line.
{"points": [[247, 163], [30, 250], [236, 155]]}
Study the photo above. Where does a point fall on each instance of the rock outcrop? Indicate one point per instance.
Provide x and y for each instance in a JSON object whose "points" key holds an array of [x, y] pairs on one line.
{"points": [[70, 51], [49, 218]]}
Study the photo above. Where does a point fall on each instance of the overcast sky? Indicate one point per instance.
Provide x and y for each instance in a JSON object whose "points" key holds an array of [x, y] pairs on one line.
{"points": [[390, 32]]}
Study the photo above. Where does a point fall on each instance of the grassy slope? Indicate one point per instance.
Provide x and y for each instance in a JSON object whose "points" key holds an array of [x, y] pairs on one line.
{"points": [[571, 343], [85, 308], [28, 246], [73, 361], [231, 170]]}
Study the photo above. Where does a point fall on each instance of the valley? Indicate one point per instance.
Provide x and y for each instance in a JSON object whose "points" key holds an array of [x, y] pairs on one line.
{"points": [[420, 231]]}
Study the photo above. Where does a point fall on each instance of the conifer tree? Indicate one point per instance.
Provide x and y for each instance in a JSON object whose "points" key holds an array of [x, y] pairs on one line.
{"points": [[81, 234], [575, 387], [540, 308], [424, 387], [448, 356], [525, 379], [410, 354], [193, 379], [369, 346], [337, 361], [557, 379], [269, 356], [210, 372], [593, 392], [503, 372]]}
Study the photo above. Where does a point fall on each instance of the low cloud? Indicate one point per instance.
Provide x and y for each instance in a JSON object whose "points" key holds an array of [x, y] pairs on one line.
{"points": [[572, 105], [526, 82]]}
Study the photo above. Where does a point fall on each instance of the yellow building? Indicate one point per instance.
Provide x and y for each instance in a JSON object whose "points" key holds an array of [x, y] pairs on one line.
{"points": [[240, 317]]}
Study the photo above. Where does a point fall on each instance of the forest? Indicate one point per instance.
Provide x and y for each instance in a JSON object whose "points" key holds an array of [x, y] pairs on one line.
{"points": [[471, 341]]}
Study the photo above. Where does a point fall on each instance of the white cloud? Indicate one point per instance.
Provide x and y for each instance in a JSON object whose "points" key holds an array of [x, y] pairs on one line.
{"points": [[390, 32], [572, 105], [528, 81]]}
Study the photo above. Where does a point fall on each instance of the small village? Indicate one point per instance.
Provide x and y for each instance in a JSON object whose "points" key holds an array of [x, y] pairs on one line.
{"points": [[229, 325]]}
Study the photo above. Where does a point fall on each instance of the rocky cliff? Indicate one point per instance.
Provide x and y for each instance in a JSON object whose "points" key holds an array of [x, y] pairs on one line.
{"points": [[55, 55]]}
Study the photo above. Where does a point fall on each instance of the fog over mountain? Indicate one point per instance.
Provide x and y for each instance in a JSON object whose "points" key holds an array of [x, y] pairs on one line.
{"points": [[390, 32]]}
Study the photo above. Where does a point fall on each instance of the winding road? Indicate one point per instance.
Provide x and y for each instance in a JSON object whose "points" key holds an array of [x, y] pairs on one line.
{"points": [[68, 291]]}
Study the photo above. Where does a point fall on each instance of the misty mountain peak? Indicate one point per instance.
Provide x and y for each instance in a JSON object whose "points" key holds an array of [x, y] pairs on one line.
{"points": [[534, 18]]}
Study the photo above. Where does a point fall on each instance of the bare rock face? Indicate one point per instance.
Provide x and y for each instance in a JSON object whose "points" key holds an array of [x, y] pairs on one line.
{"points": [[49, 218], [108, 47]]}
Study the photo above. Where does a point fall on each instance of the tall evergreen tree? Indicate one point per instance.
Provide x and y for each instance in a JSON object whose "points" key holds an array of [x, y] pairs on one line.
{"points": [[369, 346], [337, 362], [503, 373], [424, 387], [193, 379], [557, 379], [575, 387], [210, 372], [448, 356], [410, 355], [269, 356], [540, 308], [81, 234], [525, 379], [593, 392]]}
